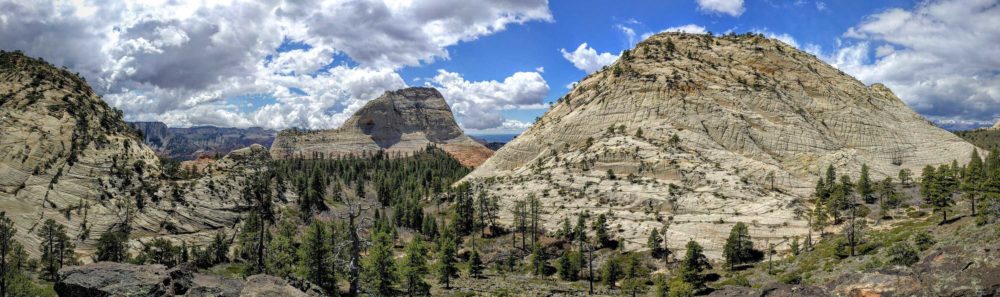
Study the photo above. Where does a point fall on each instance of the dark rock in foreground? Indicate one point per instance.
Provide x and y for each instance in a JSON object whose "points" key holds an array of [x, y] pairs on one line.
{"points": [[118, 279]]}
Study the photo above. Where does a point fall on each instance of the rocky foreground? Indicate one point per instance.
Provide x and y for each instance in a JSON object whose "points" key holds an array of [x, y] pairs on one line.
{"points": [[399, 122], [694, 133], [117, 279]]}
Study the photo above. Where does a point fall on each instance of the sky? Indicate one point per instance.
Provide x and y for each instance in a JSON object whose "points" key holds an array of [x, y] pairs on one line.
{"points": [[498, 63]]}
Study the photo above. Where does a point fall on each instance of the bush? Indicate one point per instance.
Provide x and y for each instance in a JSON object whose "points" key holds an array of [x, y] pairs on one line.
{"points": [[923, 240], [792, 278], [902, 254], [680, 288]]}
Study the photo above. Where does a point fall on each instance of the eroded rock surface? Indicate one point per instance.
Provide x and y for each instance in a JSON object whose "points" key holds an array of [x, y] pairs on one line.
{"points": [[400, 122], [66, 155], [755, 120]]}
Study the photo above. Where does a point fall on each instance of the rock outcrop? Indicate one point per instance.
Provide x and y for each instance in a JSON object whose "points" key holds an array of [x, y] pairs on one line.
{"points": [[194, 142], [400, 122], [66, 155], [693, 133], [118, 279]]}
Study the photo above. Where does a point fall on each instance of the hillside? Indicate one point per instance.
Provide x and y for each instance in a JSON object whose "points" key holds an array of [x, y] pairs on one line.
{"points": [[986, 138], [192, 142], [693, 133], [67, 156], [399, 122]]}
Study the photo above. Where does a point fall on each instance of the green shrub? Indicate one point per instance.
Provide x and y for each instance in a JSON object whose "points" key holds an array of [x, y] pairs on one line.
{"points": [[902, 254]]}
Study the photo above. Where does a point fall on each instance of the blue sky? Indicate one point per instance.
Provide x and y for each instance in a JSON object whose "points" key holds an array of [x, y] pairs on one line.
{"points": [[312, 63]]}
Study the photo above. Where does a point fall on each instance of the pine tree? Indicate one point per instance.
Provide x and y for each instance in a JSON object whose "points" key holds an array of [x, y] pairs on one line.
{"points": [[537, 260], [314, 261], [413, 269], [601, 230], [738, 248], [694, 263], [864, 186], [972, 179], [379, 269], [905, 177], [7, 243], [112, 246], [57, 250], [475, 265], [611, 272], [946, 185], [654, 243], [446, 260], [635, 274], [794, 246]]}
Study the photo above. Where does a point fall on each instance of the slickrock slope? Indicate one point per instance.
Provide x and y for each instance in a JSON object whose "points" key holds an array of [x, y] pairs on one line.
{"points": [[749, 114], [399, 122], [68, 156], [193, 142]]}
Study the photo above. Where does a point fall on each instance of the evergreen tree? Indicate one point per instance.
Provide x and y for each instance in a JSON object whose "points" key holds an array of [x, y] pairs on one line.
{"points": [[694, 263], [413, 269], [112, 246], [635, 274], [794, 246], [901, 254], [942, 199], [475, 265], [611, 271], [283, 248], [378, 267], [972, 180], [464, 219], [537, 260], [57, 250], [446, 261], [314, 261], [654, 243], [7, 243], [601, 230], [905, 177], [14, 279], [864, 186], [738, 248], [831, 178]]}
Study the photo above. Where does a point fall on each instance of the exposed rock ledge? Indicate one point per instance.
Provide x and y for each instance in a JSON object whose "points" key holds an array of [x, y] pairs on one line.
{"points": [[118, 279]]}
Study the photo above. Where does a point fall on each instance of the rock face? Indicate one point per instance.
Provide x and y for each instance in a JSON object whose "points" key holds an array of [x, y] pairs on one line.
{"points": [[399, 122], [118, 279], [66, 155], [190, 143], [755, 121]]}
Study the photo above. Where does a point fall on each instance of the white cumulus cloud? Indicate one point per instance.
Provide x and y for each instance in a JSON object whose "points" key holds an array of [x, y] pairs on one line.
{"points": [[587, 59], [730, 7], [941, 57], [477, 104], [181, 61]]}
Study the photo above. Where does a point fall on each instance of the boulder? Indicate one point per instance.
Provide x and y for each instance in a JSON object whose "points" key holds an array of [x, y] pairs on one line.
{"points": [[119, 279]]}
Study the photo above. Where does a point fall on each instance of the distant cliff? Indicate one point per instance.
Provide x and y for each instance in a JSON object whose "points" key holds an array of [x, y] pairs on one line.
{"points": [[189, 143], [399, 122]]}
